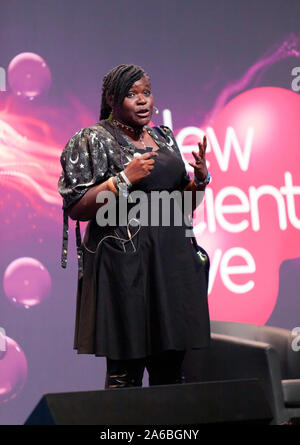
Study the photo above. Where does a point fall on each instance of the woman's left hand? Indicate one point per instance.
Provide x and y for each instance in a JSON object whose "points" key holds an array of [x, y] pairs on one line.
{"points": [[200, 169]]}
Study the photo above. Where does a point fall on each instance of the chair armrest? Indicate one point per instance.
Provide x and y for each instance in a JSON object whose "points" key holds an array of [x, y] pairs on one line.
{"points": [[291, 392], [230, 357]]}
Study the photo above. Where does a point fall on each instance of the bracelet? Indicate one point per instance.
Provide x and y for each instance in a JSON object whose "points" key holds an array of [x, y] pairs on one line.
{"points": [[122, 186], [204, 182], [118, 180], [111, 185], [125, 178]]}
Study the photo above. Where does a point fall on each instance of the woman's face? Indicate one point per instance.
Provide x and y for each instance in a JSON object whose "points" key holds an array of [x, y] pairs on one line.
{"points": [[137, 107]]}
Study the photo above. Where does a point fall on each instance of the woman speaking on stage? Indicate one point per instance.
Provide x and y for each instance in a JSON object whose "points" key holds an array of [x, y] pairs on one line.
{"points": [[142, 288]]}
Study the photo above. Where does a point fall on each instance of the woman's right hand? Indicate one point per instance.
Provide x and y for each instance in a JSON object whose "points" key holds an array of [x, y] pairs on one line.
{"points": [[140, 167]]}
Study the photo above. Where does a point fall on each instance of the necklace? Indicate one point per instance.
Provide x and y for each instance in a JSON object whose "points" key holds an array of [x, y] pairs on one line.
{"points": [[142, 140], [136, 132]]}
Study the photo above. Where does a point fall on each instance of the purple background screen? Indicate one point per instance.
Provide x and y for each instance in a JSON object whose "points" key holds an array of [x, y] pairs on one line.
{"points": [[195, 52]]}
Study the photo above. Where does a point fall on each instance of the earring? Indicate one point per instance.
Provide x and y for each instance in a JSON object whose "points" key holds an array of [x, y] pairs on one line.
{"points": [[156, 110], [110, 117]]}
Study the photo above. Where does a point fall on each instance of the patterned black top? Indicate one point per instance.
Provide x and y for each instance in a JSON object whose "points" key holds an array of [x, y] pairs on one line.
{"points": [[90, 157]]}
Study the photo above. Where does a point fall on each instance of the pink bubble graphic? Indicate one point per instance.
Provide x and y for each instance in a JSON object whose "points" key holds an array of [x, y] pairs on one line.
{"points": [[252, 205], [29, 75], [26, 282], [13, 370]]}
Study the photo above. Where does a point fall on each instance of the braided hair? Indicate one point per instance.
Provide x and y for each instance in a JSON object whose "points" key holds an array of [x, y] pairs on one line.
{"points": [[117, 83]]}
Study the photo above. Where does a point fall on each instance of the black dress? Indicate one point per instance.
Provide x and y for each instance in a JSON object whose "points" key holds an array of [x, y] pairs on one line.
{"points": [[148, 295]]}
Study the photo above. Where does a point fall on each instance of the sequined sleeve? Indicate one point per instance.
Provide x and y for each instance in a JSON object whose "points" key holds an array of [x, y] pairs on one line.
{"points": [[84, 164]]}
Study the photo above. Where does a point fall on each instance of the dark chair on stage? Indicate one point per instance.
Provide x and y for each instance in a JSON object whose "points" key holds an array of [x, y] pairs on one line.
{"points": [[249, 374], [240, 350]]}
